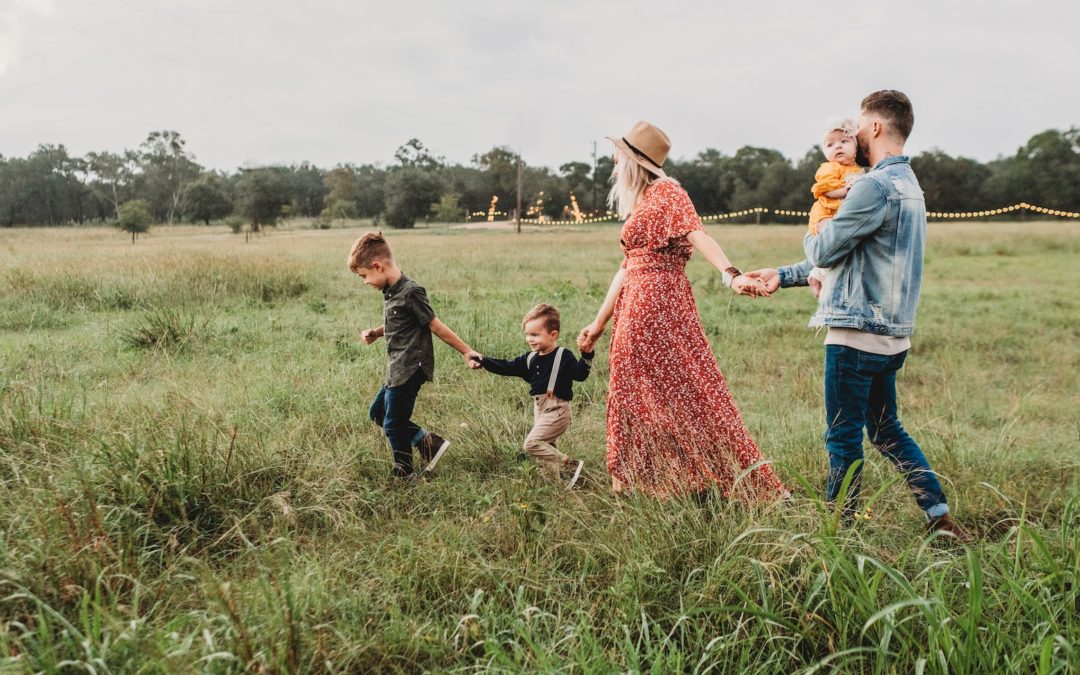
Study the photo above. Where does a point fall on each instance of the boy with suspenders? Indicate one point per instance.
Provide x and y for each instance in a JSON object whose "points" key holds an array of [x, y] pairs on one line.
{"points": [[550, 370]]}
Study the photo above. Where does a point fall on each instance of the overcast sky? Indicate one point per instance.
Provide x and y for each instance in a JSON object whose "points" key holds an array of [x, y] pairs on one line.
{"points": [[268, 81]]}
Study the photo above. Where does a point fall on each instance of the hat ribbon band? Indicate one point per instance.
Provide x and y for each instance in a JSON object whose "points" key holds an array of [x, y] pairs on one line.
{"points": [[640, 153]]}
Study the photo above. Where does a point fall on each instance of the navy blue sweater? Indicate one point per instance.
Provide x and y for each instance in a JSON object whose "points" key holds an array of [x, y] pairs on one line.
{"points": [[570, 369]]}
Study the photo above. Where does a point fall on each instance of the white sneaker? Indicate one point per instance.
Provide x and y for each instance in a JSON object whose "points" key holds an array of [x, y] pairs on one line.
{"points": [[577, 475], [432, 448]]}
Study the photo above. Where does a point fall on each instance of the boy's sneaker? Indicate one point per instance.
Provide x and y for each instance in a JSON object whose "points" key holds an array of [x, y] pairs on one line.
{"points": [[432, 449], [946, 524], [577, 472]]}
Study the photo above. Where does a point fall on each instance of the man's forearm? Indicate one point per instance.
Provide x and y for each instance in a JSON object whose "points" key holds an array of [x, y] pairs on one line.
{"points": [[795, 274]]}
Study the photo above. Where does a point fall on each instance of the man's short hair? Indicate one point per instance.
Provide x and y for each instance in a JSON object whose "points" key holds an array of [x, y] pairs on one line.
{"points": [[546, 312], [895, 107], [368, 249]]}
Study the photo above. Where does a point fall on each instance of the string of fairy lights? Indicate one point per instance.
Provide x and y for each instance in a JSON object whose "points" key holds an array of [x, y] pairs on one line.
{"points": [[1005, 209], [758, 211]]}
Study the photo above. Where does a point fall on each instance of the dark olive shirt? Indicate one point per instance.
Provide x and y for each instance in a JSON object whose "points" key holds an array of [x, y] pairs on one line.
{"points": [[406, 315]]}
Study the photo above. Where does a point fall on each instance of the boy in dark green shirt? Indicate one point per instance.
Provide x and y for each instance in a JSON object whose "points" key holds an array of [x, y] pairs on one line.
{"points": [[408, 323]]}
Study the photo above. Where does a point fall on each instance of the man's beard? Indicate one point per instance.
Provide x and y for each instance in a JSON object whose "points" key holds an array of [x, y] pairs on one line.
{"points": [[861, 158]]}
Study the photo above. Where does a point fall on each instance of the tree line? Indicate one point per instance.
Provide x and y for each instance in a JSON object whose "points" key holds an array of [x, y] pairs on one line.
{"points": [[160, 181]]}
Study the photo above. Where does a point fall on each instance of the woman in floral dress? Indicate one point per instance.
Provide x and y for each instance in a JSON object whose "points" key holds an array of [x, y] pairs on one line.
{"points": [[672, 426]]}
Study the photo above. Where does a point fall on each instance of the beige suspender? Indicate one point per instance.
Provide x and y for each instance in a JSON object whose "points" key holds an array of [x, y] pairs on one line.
{"points": [[554, 370]]}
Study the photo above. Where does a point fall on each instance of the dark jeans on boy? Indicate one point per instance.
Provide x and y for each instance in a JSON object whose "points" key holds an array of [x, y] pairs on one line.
{"points": [[392, 410], [860, 391]]}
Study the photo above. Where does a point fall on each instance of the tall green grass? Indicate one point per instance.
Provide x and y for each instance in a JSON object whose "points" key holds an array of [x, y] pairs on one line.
{"points": [[188, 480]]}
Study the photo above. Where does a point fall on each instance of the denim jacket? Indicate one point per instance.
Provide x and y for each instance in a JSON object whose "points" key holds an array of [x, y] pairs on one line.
{"points": [[873, 250]]}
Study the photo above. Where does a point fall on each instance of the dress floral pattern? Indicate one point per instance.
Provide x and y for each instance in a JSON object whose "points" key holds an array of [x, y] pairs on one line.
{"points": [[672, 426]]}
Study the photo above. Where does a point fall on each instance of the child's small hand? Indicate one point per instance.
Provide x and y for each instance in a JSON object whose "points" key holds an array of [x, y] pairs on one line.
{"points": [[370, 335], [473, 360], [815, 286]]}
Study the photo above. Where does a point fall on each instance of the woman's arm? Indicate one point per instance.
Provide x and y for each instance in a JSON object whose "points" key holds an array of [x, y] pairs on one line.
{"points": [[712, 252], [591, 333]]}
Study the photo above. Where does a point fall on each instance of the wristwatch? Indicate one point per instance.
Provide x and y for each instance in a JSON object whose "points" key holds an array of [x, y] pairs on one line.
{"points": [[732, 272]]}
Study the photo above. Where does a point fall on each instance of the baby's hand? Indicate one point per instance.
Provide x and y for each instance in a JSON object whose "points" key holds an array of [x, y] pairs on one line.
{"points": [[815, 286]]}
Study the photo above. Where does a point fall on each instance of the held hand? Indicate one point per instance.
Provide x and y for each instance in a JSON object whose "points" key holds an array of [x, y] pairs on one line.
{"points": [[744, 285], [769, 276], [473, 359], [815, 286], [589, 335], [370, 335]]}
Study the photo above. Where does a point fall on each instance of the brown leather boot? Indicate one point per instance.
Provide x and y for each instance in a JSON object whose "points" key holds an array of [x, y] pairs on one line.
{"points": [[946, 523]]}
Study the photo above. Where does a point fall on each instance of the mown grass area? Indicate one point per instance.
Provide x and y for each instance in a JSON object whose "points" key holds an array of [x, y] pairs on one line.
{"points": [[190, 481]]}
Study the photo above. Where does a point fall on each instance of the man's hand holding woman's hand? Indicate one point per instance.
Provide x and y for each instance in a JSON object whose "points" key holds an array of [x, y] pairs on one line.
{"points": [[745, 284], [769, 276]]}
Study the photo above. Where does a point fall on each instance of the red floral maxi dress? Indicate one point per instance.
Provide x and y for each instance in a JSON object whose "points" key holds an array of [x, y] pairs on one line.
{"points": [[672, 426]]}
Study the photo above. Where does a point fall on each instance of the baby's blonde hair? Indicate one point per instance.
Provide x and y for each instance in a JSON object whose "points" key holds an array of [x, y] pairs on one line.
{"points": [[845, 125]]}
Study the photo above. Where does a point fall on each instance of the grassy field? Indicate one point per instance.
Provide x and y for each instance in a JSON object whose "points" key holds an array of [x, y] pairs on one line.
{"points": [[190, 483]]}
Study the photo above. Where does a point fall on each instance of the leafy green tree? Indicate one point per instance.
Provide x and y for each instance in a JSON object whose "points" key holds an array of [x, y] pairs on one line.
{"points": [[577, 178], [307, 189], [414, 154], [708, 178], [410, 192], [134, 217], [498, 177], [206, 199], [261, 194], [951, 183], [343, 191], [371, 199], [760, 175], [166, 167], [114, 174], [1045, 171], [447, 209], [45, 188]]}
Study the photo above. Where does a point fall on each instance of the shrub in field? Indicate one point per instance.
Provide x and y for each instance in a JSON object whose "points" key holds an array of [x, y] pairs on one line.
{"points": [[167, 329], [236, 224], [134, 217]]}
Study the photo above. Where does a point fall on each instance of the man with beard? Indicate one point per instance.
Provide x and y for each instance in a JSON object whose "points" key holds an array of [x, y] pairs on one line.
{"points": [[874, 249]]}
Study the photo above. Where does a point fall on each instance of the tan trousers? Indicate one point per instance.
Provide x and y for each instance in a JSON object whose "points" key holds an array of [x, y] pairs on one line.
{"points": [[551, 419]]}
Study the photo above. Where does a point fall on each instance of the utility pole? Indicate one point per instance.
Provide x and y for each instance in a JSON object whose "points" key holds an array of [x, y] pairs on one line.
{"points": [[596, 207], [519, 176]]}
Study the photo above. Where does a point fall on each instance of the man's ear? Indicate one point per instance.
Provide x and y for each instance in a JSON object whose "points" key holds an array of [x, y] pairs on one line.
{"points": [[878, 129]]}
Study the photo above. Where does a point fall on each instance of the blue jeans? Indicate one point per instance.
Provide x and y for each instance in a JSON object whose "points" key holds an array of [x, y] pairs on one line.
{"points": [[392, 410], [860, 391]]}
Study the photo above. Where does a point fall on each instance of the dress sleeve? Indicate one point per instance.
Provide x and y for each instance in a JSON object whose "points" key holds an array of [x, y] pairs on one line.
{"points": [[669, 215], [829, 177]]}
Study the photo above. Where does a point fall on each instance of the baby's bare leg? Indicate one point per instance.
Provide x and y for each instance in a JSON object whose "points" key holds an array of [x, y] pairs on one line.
{"points": [[820, 225]]}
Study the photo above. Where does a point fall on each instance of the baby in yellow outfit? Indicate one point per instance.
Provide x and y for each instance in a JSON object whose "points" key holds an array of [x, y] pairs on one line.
{"points": [[833, 178]]}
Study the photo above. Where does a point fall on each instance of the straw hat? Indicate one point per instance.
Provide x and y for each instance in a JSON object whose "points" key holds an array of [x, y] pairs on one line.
{"points": [[646, 145]]}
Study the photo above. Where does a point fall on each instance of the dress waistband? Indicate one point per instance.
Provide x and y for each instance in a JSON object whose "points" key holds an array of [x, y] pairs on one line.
{"points": [[654, 262]]}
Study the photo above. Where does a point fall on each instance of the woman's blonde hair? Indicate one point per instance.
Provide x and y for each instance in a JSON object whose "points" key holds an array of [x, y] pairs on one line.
{"points": [[628, 183]]}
